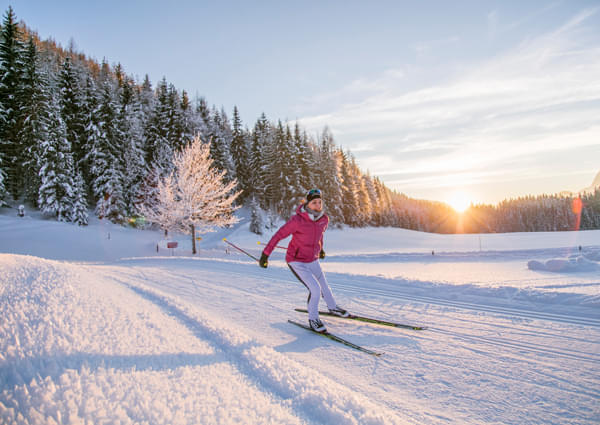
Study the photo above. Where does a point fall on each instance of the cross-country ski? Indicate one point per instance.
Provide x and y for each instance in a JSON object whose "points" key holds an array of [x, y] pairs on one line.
{"points": [[367, 320], [336, 338]]}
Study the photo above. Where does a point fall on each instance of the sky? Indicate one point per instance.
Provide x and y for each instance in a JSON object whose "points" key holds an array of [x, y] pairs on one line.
{"points": [[477, 101]]}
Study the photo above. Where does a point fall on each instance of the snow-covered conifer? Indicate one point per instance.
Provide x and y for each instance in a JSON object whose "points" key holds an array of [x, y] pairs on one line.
{"points": [[258, 161], [256, 223], [35, 117], [107, 166], [304, 159], [240, 154], [158, 149], [328, 177], [56, 194], [220, 136], [71, 108], [11, 70], [79, 213], [130, 123]]}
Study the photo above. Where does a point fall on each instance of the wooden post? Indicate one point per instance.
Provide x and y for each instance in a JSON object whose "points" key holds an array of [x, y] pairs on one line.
{"points": [[193, 239]]}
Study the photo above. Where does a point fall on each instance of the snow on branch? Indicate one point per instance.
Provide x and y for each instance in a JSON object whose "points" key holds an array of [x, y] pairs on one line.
{"points": [[194, 194]]}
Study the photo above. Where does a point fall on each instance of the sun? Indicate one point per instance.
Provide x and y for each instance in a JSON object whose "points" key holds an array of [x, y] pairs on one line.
{"points": [[459, 201]]}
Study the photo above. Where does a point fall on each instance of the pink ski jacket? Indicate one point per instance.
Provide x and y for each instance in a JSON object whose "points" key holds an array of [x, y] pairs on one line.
{"points": [[307, 237]]}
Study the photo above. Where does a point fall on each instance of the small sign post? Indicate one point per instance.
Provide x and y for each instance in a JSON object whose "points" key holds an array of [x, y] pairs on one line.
{"points": [[172, 245]]}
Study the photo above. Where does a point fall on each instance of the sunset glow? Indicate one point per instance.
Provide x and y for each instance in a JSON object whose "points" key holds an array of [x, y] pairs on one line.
{"points": [[459, 201]]}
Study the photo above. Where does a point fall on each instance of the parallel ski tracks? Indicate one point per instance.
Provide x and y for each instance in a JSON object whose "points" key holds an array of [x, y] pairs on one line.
{"points": [[525, 314], [522, 346], [460, 330]]}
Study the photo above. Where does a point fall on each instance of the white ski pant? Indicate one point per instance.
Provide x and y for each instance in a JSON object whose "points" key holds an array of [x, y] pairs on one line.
{"points": [[311, 275]]}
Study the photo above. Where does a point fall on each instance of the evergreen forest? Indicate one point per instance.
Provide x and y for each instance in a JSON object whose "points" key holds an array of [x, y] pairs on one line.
{"points": [[78, 137]]}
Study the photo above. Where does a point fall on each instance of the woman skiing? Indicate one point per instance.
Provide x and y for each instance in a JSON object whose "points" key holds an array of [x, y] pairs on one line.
{"points": [[307, 227]]}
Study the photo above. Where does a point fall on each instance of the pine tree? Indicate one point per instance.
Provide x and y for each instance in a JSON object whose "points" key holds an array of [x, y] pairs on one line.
{"points": [[130, 123], [256, 223], [189, 122], [175, 126], [79, 213], [158, 149], [371, 192], [91, 138], [57, 192], [3, 192], [220, 136], [11, 71], [364, 200], [280, 170], [35, 116], [202, 113], [258, 177], [305, 160], [107, 169], [146, 97], [240, 154], [328, 178], [296, 179], [350, 205], [71, 109]]}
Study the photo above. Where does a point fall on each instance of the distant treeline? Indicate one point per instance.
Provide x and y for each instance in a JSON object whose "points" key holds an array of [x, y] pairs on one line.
{"points": [[76, 135], [542, 213]]}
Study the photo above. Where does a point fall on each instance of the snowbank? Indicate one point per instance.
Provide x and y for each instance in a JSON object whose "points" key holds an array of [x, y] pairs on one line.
{"points": [[587, 262]]}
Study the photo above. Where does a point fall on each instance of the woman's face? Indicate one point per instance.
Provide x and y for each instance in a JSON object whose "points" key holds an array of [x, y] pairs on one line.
{"points": [[316, 204]]}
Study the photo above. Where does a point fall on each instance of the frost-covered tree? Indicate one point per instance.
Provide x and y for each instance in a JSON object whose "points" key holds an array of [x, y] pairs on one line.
{"points": [[194, 196]]}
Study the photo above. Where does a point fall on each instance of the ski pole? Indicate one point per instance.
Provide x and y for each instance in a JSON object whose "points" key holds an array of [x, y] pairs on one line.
{"points": [[276, 246], [240, 249]]}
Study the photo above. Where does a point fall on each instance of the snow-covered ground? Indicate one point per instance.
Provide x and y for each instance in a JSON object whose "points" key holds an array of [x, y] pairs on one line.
{"points": [[96, 326]]}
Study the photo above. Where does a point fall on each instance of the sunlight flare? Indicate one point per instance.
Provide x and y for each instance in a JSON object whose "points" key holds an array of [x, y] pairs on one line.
{"points": [[459, 201]]}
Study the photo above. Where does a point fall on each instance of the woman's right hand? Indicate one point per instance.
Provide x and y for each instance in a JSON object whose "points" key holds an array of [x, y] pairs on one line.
{"points": [[264, 261]]}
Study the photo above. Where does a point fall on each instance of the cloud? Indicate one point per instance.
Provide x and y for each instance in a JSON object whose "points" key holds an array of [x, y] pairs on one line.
{"points": [[425, 47], [543, 95]]}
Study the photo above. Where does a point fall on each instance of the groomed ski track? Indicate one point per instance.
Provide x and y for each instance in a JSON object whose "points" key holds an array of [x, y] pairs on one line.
{"points": [[528, 351]]}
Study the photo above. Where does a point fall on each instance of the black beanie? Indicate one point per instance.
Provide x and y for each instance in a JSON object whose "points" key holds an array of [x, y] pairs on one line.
{"points": [[313, 194]]}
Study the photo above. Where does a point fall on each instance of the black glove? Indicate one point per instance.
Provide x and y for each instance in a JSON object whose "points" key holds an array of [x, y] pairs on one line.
{"points": [[322, 254], [264, 260]]}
